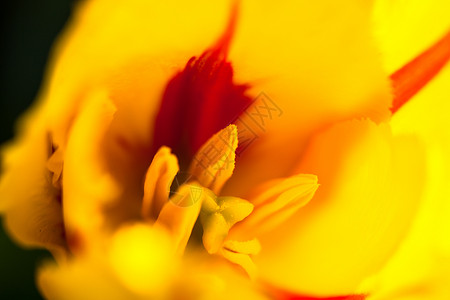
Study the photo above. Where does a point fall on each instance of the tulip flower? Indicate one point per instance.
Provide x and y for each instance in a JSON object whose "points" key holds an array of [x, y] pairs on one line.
{"points": [[247, 149]]}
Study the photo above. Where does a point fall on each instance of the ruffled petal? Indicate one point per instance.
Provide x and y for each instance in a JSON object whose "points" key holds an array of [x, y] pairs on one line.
{"points": [[30, 203], [88, 185]]}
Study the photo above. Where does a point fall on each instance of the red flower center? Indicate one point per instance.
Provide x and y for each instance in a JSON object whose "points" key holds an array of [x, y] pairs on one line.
{"points": [[199, 101]]}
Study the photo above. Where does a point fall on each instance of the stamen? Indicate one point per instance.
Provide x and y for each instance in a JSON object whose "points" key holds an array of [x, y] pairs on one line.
{"points": [[411, 78], [180, 214], [214, 163], [251, 247], [157, 183], [242, 260], [276, 201]]}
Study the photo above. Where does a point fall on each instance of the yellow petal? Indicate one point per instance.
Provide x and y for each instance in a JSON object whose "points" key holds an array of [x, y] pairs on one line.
{"points": [[158, 180], [404, 29], [160, 37], [302, 56], [180, 214], [420, 268], [213, 164], [370, 189]]}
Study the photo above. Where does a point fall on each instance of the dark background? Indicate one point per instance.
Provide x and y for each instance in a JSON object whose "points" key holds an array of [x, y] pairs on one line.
{"points": [[28, 29]]}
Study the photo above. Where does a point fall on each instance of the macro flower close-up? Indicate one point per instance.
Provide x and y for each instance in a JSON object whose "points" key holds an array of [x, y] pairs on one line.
{"points": [[246, 149]]}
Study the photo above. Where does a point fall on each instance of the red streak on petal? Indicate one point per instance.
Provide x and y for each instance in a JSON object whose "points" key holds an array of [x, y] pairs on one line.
{"points": [[349, 297], [200, 100], [411, 78], [281, 294]]}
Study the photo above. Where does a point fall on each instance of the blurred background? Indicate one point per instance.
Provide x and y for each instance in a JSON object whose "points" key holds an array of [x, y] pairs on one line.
{"points": [[28, 30]]}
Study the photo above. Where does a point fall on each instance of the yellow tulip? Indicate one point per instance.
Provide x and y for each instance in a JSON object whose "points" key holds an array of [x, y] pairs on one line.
{"points": [[247, 149]]}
